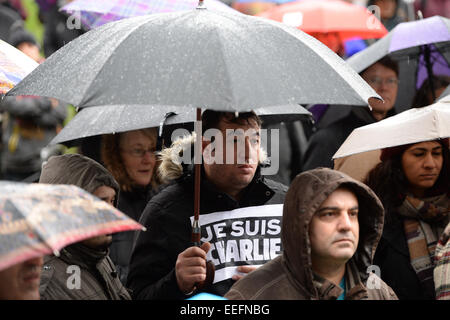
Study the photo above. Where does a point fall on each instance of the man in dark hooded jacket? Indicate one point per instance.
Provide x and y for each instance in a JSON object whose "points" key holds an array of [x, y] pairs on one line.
{"points": [[331, 228], [164, 264], [88, 259]]}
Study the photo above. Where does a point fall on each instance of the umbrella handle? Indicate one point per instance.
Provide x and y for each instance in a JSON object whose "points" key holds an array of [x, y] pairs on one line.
{"points": [[196, 231], [210, 269]]}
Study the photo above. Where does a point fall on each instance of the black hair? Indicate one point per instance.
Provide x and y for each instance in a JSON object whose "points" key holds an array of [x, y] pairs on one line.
{"points": [[211, 119], [390, 184]]}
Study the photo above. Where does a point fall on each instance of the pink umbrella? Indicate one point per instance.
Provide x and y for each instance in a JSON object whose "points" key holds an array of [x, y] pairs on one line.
{"points": [[96, 13], [14, 66], [39, 219]]}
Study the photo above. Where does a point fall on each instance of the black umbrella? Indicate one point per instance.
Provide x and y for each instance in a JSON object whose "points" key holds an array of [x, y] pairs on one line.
{"points": [[114, 119], [197, 58]]}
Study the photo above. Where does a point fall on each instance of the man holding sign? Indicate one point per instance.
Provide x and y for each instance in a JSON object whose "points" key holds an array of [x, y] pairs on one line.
{"points": [[331, 227], [240, 214]]}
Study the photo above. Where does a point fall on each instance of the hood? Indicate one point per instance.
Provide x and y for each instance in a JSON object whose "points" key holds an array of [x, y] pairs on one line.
{"points": [[76, 169], [305, 195], [172, 166]]}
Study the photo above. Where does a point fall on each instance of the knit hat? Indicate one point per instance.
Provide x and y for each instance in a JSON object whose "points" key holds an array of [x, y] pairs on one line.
{"points": [[389, 153], [19, 35]]}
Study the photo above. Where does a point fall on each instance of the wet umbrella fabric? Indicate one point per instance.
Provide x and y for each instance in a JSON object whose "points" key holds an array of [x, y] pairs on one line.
{"points": [[39, 219], [96, 13], [114, 119], [361, 151], [14, 66], [411, 126], [198, 58]]}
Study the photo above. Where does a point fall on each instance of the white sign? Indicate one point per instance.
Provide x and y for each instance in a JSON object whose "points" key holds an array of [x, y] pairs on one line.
{"points": [[245, 236]]}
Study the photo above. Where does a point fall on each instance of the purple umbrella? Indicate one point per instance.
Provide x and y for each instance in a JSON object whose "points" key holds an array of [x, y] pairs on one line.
{"points": [[422, 49], [96, 13]]}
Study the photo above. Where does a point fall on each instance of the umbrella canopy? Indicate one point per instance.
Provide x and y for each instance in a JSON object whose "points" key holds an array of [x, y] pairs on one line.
{"points": [[96, 13], [14, 66], [198, 58], [114, 119], [431, 35], [38, 219], [411, 126], [445, 93], [345, 19]]}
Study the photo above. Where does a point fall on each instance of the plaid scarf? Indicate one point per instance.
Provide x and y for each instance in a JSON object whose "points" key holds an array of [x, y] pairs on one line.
{"points": [[442, 269], [424, 221]]}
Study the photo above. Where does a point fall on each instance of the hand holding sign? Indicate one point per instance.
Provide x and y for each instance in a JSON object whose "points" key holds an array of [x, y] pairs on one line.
{"points": [[190, 267], [243, 270]]}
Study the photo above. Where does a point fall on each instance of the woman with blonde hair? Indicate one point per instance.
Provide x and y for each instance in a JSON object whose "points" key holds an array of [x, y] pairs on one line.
{"points": [[131, 158]]}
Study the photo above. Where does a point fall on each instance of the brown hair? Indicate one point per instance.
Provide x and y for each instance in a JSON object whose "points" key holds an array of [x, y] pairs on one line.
{"points": [[386, 62], [211, 118], [110, 153], [387, 179]]}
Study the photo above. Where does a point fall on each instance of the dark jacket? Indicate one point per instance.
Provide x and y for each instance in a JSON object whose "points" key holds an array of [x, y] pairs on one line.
{"points": [[392, 256], [167, 219], [290, 276], [98, 277], [31, 124], [133, 204], [292, 144], [324, 143]]}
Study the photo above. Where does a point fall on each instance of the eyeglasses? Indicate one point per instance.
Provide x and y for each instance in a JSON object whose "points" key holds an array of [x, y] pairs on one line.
{"points": [[377, 81], [139, 152]]}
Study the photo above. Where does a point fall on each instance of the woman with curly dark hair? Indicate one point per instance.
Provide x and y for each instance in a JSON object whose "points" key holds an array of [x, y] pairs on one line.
{"points": [[131, 158], [413, 183]]}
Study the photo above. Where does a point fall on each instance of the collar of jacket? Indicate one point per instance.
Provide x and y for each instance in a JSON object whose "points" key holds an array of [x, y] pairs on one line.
{"points": [[83, 256], [327, 290], [365, 114], [256, 193]]}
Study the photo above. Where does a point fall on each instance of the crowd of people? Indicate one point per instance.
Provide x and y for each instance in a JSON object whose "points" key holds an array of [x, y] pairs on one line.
{"points": [[331, 229]]}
